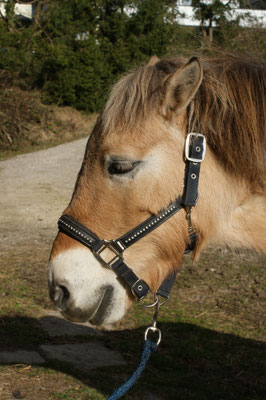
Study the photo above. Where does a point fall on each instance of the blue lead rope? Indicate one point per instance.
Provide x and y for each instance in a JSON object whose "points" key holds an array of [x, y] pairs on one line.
{"points": [[148, 348]]}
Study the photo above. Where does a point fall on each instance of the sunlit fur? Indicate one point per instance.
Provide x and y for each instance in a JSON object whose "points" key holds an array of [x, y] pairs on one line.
{"points": [[229, 108], [146, 118]]}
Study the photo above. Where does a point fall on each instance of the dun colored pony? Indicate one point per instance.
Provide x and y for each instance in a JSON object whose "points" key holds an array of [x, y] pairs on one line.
{"points": [[134, 166]]}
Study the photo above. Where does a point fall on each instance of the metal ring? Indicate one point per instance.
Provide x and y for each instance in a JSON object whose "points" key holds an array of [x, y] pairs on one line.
{"points": [[156, 301], [164, 301], [153, 329]]}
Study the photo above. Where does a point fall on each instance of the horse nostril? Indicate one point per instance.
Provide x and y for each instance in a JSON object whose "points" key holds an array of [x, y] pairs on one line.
{"points": [[66, 293], [59, 294]]}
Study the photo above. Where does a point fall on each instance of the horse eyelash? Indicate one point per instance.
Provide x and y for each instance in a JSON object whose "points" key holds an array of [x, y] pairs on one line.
{"points": [[117, 168], [121, 168]]}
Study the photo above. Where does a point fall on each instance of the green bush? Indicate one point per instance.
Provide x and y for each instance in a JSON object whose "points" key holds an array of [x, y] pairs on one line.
{"points": [[74, 50], [76, 77]]}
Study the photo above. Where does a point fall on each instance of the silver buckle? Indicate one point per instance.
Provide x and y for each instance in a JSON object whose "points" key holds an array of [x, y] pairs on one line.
{"points": [[187, 145], [108, 244]]}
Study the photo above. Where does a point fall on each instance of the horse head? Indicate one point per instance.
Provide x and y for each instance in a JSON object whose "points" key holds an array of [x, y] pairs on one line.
{"points": [[134, 167]]}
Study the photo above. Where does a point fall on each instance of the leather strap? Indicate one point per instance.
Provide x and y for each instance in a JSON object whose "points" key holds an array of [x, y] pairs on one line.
{"points": [[165, 288], [74, 229], [137, 233], [191, 242], [195, 152], [138, 286], [81, 233], [192, 171]]}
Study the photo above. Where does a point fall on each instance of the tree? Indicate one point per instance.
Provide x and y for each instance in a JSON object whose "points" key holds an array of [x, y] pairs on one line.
{"points": [[256, 5], [86, 45], [153, 27], [9, 16], [212, 13]]}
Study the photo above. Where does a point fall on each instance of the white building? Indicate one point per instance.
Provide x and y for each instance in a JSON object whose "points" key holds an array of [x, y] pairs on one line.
{"points": [[24, 11], [257, 17]]}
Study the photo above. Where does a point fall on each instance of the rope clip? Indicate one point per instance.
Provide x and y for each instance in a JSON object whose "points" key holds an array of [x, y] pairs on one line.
{"points": [[153, 328]]}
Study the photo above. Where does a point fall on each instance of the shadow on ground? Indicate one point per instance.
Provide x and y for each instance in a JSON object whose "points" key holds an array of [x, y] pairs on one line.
{"points": [[191, 363]]}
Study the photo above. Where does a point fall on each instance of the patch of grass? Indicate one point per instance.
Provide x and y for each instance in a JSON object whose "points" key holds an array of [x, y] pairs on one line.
{"points": [[78, 394]]}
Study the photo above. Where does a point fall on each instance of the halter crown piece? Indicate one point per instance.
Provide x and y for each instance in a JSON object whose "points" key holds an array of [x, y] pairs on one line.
{"points": [[195, 149]]}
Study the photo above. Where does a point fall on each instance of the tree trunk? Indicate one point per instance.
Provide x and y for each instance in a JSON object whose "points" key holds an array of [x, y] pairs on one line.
{"points": [[210, 34]]}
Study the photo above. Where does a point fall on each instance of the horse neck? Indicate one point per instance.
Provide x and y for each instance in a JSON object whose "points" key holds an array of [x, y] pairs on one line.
{"points": [[228, 212]]}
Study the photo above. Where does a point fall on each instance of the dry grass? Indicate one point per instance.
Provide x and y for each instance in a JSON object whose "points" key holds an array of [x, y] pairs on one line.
{"points": [[28, 125]]}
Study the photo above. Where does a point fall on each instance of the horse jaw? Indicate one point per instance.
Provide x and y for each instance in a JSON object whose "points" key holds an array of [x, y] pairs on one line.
{"points": [[94, 292]]}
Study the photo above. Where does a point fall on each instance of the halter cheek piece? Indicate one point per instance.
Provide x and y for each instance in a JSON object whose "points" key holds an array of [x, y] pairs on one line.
{"points": [[195, 148]]}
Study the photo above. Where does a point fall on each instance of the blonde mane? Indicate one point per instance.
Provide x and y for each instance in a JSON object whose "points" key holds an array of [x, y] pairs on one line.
{"points": [[229, 109]]}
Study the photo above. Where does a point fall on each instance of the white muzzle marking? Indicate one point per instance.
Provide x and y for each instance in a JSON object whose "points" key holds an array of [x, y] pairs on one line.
{"points": [[94, 291]]}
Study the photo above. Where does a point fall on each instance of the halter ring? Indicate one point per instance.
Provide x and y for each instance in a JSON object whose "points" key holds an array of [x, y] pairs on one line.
{"points": [[155, 302]]}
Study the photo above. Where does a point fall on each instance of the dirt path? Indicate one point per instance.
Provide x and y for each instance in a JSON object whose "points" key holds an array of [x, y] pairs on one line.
{"points": [[34, 189]]}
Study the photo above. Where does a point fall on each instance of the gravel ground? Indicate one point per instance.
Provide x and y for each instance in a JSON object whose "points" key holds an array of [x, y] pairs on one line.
{"points": [[35, 188]]}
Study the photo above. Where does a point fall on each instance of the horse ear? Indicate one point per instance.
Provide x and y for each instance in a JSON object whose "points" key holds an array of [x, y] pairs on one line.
{"points": [[182, 85], [153, 60]]}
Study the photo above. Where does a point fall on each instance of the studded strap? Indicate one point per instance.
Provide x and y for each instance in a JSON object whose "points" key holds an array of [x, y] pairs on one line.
{"points": [[74, 229], [149, 225]]}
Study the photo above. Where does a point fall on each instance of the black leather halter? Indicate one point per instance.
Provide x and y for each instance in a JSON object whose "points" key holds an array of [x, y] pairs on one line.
{"points": [[194, 154]]}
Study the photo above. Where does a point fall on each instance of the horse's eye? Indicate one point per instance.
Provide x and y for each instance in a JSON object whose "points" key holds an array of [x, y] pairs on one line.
{"points": [[121, 167]]}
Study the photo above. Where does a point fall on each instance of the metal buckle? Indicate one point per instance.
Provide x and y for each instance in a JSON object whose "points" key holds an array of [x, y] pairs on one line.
{"points": [[111, 245], [187, 145]]}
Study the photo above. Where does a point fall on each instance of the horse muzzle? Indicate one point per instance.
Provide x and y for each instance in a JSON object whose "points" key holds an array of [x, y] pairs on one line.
{"points": [[83, 290], [96, 313]]}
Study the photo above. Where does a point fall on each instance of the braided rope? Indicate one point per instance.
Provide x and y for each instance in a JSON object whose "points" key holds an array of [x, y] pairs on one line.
{"points": [[148, 348]]}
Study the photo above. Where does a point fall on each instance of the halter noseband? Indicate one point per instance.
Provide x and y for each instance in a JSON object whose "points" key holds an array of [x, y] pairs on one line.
{"points": [[195, 148]]}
